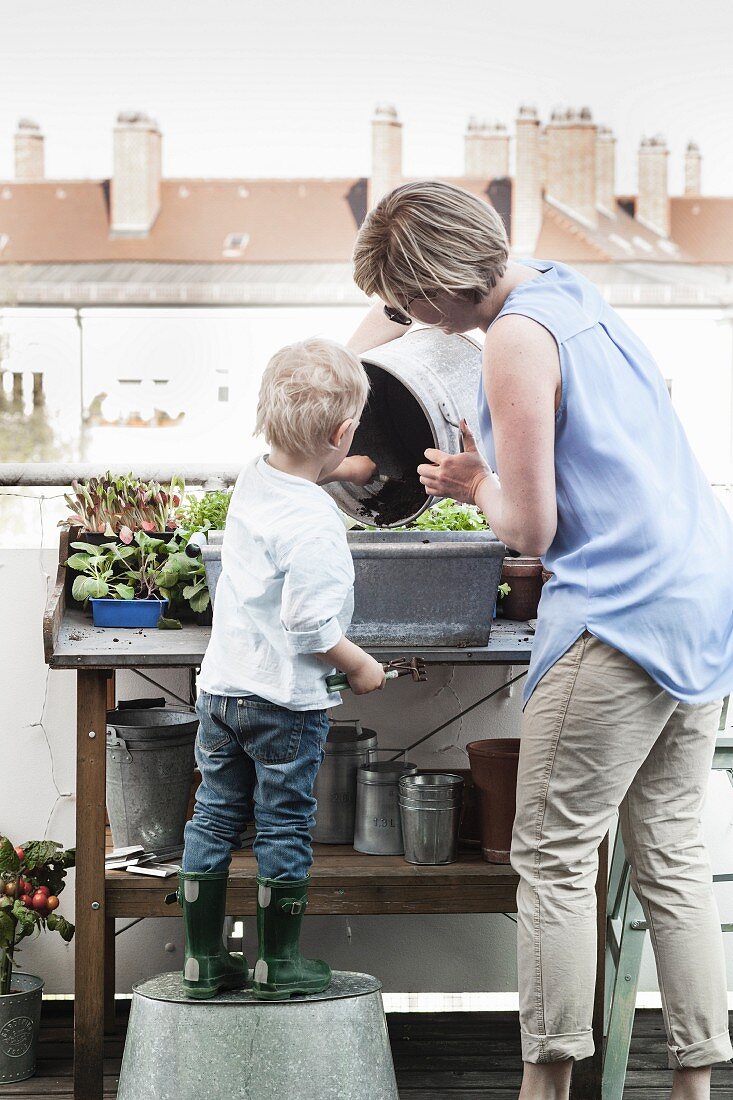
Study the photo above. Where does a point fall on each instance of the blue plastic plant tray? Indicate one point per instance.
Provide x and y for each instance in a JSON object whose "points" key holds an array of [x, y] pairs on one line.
{"points": [[127, 613]]}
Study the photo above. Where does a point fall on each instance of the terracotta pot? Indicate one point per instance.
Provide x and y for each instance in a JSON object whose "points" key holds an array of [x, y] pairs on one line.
{"points": [[524, 576], [494, 771]]}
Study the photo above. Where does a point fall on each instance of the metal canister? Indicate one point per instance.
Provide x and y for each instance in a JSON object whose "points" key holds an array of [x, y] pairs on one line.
{"points": [[378, 830], [347, 747], [430, 812]]}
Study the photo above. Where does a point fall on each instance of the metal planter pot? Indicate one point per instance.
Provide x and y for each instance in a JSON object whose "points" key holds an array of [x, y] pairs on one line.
{"points": [[414, 588], [20, 1018], [424, 588]]}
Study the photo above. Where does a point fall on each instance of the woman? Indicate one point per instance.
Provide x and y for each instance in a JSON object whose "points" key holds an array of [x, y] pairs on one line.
{"points": [[634, 644]]}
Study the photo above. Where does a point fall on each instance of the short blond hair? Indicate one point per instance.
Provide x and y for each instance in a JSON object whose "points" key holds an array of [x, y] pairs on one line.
{"points": [[429, 236], [308, 390]]}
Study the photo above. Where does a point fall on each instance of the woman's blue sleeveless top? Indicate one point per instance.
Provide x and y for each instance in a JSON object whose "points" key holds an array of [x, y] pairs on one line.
{"points": [[643, 554]]}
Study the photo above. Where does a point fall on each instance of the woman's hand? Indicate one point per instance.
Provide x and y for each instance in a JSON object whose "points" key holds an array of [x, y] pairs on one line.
{"points": [[458, 476]]}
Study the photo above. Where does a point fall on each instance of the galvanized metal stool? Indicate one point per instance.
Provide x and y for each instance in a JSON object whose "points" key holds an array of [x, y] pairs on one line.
{"points": [[330, 1046], [625, 934]]}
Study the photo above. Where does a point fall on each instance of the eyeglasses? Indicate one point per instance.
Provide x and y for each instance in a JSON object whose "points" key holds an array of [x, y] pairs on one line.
{"points": [[397, 316]]}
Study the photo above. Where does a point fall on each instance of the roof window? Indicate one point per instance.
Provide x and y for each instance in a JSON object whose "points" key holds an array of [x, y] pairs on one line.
{"points": [[235, 244]]}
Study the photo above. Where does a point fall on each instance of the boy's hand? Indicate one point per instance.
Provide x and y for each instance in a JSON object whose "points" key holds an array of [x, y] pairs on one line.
{"points": [[358, 469], [367, 676]]}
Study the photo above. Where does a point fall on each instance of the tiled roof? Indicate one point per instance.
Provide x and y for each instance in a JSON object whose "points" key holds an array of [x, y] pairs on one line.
{"points": [[313, 221], [703, 226]]}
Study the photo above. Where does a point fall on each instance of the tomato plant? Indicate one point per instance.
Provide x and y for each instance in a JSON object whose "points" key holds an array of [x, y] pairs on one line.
{"points": [[32, 877]]}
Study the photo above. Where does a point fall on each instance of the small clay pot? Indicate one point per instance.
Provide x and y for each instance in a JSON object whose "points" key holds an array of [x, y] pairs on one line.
{"points": [[524, 577], [494, 764]]}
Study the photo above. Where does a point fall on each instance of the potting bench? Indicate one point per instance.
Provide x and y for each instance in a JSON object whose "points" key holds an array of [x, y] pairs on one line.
{"points": [[343, 881]]}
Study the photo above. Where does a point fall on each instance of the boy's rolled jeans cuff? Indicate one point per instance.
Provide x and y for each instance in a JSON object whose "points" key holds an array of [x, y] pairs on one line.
{"points": [[557, 1048], [705, 1053]]}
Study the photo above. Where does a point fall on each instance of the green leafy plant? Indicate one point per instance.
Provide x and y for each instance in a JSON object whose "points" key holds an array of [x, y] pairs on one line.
{"points": [[450, 515], [32, 877], [146, 569], [208, 512], [504, 590], [446, 515], [121, 505]]}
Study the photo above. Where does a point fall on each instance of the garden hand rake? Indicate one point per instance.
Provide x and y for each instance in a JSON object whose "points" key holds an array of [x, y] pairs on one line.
{"points": [[400, 666]]}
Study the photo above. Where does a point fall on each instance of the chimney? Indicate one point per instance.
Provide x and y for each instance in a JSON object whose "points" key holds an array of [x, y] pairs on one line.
{"points": [[527, 188], [606, 171], [652, 205], [28, 151], [135, 192], [693, 169], [571, 162], [487, 150], [386, 152]]}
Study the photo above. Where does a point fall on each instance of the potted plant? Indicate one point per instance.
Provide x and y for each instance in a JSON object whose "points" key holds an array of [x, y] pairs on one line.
{"points": [[32, 877], [121, 505], [431, 584], [115, 507], [134, 585], [206, 513]]}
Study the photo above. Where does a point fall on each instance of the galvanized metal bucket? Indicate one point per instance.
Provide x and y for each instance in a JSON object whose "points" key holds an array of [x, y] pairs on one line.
{"points": [[421, 387], [378, 830], [413, 588], [20, 1018], [347, 747], [424, 588], [328, 1046], [430, 812], [150, 763]]}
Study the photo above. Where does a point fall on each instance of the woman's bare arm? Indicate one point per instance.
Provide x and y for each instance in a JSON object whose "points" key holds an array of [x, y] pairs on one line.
{"points": [[375, 329], [522, 383]]}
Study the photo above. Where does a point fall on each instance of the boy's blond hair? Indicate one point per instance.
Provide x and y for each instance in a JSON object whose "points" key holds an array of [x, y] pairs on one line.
{"points": [[308, 390], [429, 236]]}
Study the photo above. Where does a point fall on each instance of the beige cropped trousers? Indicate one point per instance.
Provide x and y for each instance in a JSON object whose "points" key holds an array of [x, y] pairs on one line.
{"points": [[600, 736]]}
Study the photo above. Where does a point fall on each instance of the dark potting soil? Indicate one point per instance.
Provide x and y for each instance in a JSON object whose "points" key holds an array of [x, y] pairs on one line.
{"points": [[395, 501]]}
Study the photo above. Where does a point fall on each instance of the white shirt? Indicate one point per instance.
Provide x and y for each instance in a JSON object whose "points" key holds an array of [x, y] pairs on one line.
{"points": [[286, 592]]}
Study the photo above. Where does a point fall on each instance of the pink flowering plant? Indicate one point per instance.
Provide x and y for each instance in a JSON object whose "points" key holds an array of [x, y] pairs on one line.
{"points": [[120, 505]]}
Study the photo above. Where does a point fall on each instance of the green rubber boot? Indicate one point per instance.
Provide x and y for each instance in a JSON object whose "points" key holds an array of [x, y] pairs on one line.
{"points": [[208, 966], [281, 971]]}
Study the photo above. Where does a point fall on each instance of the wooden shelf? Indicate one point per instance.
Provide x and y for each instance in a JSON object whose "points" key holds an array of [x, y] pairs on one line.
{"points": [[342, 882]]}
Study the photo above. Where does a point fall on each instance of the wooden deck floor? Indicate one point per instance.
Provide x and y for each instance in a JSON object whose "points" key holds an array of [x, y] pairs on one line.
{"points": [[440, 1056]]}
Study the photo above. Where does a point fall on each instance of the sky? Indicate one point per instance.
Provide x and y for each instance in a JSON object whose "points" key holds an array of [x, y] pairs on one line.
{"points": [[287, 87]]}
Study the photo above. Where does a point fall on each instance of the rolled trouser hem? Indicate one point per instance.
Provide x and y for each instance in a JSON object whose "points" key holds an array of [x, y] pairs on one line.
{"points": [[705, 1053], [557, 1048]]}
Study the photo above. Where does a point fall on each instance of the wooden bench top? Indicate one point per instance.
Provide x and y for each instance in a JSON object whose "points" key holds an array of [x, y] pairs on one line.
{"points": [[343, 882]]}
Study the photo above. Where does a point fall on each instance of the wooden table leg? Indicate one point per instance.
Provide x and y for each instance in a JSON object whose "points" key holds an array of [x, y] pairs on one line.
{"points": [[109, 975], [588, 1074], [91, 769]]}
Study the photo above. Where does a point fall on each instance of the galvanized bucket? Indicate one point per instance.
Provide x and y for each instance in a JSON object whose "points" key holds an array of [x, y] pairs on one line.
{"points": [[424, 588], [430, 812], [378, 831], [150, 763], [326, 1046], [421, 387], [347, 747], [20, 1018]]}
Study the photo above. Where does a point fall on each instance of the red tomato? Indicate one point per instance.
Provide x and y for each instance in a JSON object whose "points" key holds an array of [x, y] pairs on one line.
{"points": [[38, 901], [20, 854], [52, 902], [24, 886], [42, 890], [26, 900]]}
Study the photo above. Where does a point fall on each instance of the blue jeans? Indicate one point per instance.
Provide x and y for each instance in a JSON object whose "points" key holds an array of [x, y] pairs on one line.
{"points": [[255, 758]]}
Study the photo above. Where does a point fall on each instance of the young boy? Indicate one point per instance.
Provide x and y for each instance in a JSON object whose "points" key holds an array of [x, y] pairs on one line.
{"points": [[283, 602]]}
